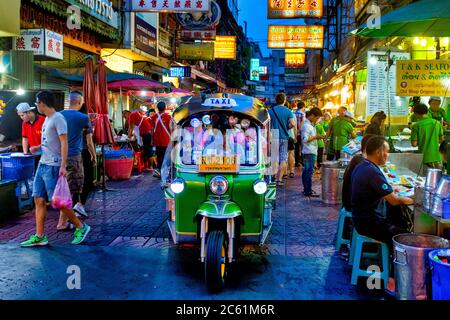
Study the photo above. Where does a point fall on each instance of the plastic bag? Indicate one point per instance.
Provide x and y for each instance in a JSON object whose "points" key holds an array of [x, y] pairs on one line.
{"points": [[62, 197]]}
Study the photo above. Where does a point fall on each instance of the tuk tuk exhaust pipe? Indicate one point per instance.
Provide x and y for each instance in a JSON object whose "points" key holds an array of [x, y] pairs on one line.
{"points": [[230, 231], [203, 232]]}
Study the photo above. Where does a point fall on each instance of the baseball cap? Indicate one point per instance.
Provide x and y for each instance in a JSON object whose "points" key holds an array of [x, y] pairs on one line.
{"points": [[24, 107], [143, 108], [349, 114], [434, 99]]}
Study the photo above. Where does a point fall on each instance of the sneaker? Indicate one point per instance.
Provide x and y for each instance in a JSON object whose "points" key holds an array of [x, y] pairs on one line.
{"points": [[78, 208], [156, 173], [35, 241], [80, 234]]}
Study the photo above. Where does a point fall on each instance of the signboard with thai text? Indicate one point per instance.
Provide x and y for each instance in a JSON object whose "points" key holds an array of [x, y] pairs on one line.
{"points": [[197, 51], [308, 37], [180, 72], [100, 9], [279, 9], [171, 5], [423, 78], [225, 47], [42, 42], [378, 91]]}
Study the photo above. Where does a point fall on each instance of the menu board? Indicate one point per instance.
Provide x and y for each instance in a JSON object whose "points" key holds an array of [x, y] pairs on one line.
{"points": [[377, 81]]}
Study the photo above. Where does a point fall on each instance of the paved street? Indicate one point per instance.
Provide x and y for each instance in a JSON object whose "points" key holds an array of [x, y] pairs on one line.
{"points": [[128, 254]]}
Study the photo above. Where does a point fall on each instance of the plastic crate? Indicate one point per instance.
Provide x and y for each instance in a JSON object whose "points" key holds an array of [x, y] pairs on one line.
{"points": [[118, 154], [17, 167]]}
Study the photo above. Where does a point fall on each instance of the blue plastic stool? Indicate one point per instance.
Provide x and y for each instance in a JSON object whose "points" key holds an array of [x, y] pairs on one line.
{"points": [[24, 202], [357, 246], [343, 214]]}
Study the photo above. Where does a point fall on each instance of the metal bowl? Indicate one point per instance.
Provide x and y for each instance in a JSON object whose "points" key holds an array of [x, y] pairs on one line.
{"points": [[433, 177]]}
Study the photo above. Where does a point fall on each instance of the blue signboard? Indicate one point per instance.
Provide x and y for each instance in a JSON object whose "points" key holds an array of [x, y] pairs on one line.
{"points": [[180, 72]]}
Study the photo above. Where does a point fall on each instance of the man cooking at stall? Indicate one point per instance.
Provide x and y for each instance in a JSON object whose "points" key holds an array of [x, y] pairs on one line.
{"points": [[427, 133], [435, 111]]}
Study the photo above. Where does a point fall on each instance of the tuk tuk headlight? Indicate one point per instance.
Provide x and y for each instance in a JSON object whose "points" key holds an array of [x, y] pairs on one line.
{"points": [[260, 187], [177, 186], [218, 185]]}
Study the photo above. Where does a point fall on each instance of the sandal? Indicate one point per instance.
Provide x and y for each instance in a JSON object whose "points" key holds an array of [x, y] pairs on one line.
{"points": [[291, 175], [280, 183]]}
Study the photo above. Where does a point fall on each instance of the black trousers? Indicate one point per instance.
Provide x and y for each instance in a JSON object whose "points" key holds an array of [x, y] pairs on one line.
{"points": [[298, 151], [160, 153], [319, 157], [88, 185]]}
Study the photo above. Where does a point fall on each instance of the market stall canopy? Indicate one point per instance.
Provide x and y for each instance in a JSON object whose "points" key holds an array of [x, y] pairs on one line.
{"points": [[425, 18], [77, 75], [246, 105], [136, 84]]}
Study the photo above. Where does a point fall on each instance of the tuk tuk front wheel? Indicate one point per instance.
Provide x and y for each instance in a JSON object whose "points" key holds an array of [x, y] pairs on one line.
{"points": [[215, 262]]}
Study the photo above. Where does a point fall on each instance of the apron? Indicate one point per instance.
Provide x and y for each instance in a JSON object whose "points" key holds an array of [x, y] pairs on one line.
{"points": [[137, 133]]}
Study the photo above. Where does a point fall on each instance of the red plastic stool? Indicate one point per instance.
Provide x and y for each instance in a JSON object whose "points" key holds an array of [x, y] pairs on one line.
{"points": [[138, 164]]}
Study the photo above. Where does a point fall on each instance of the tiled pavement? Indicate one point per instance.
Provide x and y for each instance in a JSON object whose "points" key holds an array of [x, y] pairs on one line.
{"points": [[133, 214], [128, 254]]}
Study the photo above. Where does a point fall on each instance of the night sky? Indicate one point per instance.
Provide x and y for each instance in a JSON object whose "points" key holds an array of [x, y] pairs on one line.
{"points": [[255, 13]]}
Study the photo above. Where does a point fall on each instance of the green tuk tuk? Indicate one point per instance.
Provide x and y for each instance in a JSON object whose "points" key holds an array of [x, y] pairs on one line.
{"points": [[217, 185]]}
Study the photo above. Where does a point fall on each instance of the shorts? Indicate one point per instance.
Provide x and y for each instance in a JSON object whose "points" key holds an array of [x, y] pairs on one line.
{"points": [[75, 174], [45, 181], [283, 150], [147, 145]]}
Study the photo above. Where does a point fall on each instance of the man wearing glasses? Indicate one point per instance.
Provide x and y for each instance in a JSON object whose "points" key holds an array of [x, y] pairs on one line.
{"points": [[51, 166]]}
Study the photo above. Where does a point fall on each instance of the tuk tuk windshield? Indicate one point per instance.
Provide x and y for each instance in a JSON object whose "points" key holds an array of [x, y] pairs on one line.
{"points": [[219, 135]]}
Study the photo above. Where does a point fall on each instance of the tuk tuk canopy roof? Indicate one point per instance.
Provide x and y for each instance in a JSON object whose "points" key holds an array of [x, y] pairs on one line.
{"points": [[249, 106]]}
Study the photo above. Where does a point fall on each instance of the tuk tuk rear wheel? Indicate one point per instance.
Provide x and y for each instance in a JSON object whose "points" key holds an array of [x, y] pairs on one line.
{"points": [[216, 260]]}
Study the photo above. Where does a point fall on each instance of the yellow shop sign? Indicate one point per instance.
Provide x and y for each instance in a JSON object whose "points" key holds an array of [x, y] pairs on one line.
{"points": [[423, 78]]}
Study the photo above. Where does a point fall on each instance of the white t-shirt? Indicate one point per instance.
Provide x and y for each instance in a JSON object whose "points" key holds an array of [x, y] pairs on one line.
{"points": [[308, 131], [54, 126]]}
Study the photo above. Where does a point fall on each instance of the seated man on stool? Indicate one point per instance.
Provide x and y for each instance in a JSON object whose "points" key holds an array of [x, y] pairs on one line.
{"points": [[369, 190]]}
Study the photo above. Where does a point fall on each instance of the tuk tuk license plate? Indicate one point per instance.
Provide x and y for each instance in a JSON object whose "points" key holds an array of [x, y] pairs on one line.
{"points": [[218, 164]]}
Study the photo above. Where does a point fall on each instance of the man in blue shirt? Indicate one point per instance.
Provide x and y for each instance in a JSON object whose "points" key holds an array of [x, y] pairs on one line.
{"points": [[77, 122], [282, 119], [370, 190]]}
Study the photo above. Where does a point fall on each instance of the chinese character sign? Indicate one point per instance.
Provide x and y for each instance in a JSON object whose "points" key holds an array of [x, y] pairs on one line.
{"points": [[198, 34], [31, 40], [54, 45], [42, 42], [171, 5], [279, 9], [309, 37]]}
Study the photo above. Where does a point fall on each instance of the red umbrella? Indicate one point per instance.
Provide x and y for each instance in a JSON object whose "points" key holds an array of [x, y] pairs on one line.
{"points": [[102, 131], [89, 85]]}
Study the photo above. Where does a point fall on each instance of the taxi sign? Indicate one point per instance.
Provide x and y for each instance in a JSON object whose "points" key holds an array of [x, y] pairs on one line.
{"points": [[220, 102], [218, 164]]}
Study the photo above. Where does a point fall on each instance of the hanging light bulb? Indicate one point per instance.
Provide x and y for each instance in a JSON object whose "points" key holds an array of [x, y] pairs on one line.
{"points": [[423, 42], [416, 40]]}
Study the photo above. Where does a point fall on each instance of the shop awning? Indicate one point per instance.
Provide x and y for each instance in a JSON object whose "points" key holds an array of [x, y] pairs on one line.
{"points": [[426, 18], [77, 75]]}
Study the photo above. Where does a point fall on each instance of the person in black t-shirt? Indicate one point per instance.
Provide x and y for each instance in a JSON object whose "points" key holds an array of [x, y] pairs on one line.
{"points": [[370, 190], [347, 183]]}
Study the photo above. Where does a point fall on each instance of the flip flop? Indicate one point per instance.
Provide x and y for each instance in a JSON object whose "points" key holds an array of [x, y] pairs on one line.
{"points": [[291, 175]]}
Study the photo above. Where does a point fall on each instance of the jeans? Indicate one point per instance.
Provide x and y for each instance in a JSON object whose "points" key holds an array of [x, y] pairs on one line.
{"points": [[309, 161]]}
